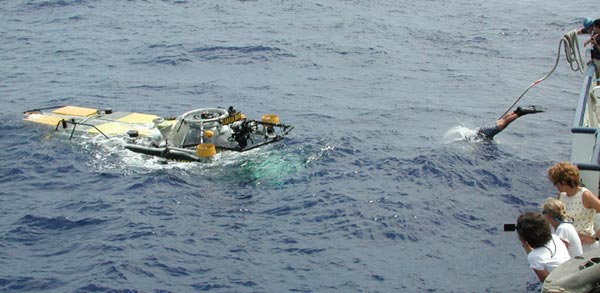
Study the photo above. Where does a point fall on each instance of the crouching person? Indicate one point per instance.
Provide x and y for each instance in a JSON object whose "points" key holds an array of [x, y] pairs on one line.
{"points": [[545, 251]]}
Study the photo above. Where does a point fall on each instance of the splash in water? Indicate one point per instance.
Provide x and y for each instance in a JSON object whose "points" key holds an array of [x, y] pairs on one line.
{"points": [[461, 133]]}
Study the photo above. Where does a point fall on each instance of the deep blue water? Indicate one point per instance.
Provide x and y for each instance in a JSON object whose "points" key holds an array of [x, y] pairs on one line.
{"points": [[372, 192]]}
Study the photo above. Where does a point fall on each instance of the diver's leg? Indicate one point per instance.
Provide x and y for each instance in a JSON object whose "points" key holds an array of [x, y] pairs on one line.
{"points": [[505, 120]]}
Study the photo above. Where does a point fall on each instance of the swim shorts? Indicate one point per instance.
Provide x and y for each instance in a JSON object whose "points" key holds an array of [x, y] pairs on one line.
{"points": [[488, 131]]}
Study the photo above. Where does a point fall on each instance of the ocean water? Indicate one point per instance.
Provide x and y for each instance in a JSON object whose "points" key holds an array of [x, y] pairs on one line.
{"points": [[375, 190]]}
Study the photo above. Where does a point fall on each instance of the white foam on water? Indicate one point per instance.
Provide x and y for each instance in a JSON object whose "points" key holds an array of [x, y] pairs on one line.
{"points": [[461, 133]]}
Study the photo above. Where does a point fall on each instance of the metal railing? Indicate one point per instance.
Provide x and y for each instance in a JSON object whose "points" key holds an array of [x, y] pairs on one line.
{"points": [[585, 145]]}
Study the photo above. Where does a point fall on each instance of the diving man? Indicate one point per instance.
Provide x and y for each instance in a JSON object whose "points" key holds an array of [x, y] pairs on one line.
{"points": [[488, 132]]}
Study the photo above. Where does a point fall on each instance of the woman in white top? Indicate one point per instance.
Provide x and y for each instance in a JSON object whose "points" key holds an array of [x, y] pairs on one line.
{"points": [[554, 211], [545, 251], [580, 203]]}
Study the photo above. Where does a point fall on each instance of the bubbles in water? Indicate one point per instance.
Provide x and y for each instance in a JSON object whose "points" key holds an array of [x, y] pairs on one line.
{"points": [[268, 165]]}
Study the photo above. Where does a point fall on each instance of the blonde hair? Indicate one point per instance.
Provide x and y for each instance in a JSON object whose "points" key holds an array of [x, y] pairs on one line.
{"points": [[556, 209]]}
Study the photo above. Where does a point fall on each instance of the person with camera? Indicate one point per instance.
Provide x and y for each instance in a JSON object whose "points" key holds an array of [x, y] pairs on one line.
{"points": [[595, 42], [587, 26], [545, 251]]}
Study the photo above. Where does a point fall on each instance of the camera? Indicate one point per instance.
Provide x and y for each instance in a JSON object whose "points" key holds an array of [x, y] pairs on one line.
{"points": [[510, 227], [241, 132]]}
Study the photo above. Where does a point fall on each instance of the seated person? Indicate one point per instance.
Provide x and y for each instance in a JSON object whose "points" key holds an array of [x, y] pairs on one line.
{"points": [[545, 251], [580, 203], [554, 211]]}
